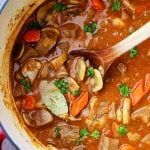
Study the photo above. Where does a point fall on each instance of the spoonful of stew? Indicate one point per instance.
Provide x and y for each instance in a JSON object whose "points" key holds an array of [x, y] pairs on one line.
{"points": [[107, 56]]}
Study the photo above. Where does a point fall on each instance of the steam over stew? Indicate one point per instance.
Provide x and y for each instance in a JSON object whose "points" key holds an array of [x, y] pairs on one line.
{"points": [[66, 101]]}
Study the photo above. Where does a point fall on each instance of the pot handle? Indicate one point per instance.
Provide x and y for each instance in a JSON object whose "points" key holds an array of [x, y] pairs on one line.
{"points": [[2, 4]]}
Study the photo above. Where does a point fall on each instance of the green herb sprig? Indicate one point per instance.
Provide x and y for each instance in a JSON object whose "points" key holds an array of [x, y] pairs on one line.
{"points": [[124, 90], [26, 84], [133, 52], [90, 72], [91, 28], [122, 130], [116, 5], [57, 132], [62, 85], [84, 133], [60, 7]]}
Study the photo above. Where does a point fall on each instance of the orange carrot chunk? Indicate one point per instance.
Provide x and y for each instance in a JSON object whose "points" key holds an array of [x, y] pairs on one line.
{"points": [[137, 92], [127, 147], [78, 104], [140, 89]]}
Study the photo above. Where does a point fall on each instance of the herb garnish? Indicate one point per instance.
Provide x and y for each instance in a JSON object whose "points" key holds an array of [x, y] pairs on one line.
{"points": [[124, 90], [60, 7], [90, 72], [76, 92], [57, 132], [95, 134], [84, 133], [26, 85], [116, 5], [122, 130], [91, 28], [133, 52], [62, 85]]}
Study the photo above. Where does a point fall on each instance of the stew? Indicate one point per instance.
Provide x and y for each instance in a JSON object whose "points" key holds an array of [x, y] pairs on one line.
{"points": [[66, 101]]}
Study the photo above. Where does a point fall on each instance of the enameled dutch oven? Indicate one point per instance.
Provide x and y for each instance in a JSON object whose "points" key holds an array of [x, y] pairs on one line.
{"points": [[12, 17]]}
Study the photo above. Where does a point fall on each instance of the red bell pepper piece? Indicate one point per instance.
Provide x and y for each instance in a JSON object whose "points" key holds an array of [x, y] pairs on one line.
{"points": [[98, 4], [31, 36], [29, 102]]}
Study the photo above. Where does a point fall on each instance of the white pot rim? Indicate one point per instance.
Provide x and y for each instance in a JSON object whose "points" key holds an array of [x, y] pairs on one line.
{"points": [[11, 17]]}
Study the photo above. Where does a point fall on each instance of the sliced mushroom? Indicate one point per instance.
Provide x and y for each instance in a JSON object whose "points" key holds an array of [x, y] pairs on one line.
{"points": [[96, 82], [31, 69], [126, 110], [53, 99], [37, 118], [61, 59], [101, 69], [43, 11], [80, 69], [71, 66], [48, 40], [19, 51]]}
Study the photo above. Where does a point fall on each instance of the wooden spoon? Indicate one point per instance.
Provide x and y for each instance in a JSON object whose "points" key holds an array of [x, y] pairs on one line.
{"points": [[107, 56]]}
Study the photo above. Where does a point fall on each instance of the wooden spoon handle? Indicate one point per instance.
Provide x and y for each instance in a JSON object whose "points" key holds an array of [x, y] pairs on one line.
{"points": [[133, 40]]}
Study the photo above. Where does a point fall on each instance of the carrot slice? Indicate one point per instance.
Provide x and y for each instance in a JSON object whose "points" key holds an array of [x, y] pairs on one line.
{"points": [[31, 36], [79, 104], [29, 102], [137, 92], [140, 89], [98, 4], [127, 147]]}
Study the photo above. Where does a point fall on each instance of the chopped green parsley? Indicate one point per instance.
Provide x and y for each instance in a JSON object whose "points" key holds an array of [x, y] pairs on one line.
{"points": [[62, 85], [60, 7], [91, 28], [124, 90]]}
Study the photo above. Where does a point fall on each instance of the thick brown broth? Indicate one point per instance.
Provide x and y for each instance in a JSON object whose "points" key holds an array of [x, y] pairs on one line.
{"points": [[112, 26]]}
